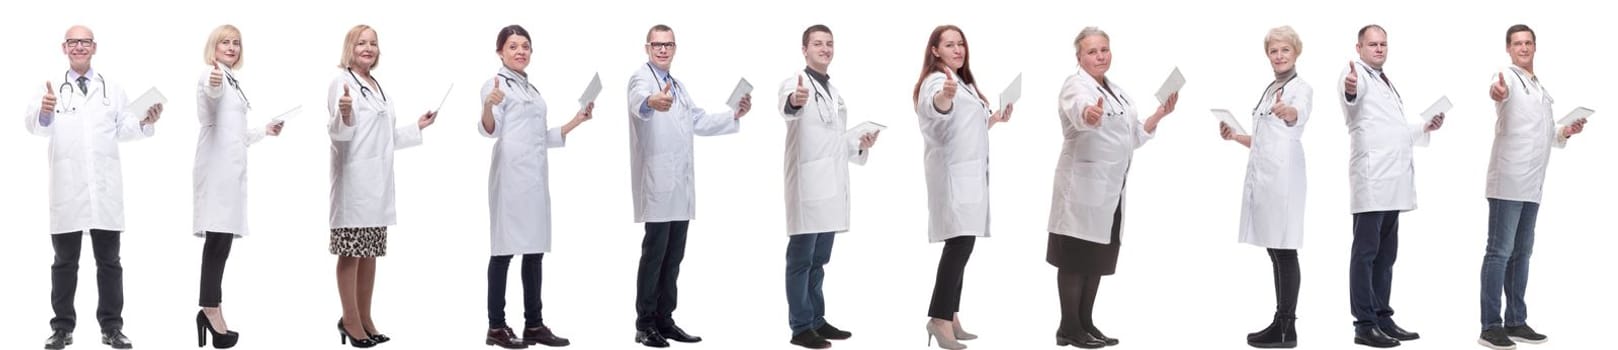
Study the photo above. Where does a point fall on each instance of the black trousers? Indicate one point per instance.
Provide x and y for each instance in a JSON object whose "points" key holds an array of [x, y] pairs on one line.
{"points": [[215, 250], [65, 278], [531, 277], [1284, 262], [1370, 268], [661, 252], [951, 269]]}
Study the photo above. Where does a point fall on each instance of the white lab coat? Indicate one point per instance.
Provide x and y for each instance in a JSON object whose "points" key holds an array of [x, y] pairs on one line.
{"points": [[817, 157], [219, 176], [1273, 193], [86, 187], [362, 154], [1524, 132], [956, 157], [1095, 160], [1381, 165], [519, 175], [661, 170]]}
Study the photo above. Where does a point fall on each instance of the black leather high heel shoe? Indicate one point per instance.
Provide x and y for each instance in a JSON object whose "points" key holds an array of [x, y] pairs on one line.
{"points": [[349, 339], [224, 340], [379, 338]]}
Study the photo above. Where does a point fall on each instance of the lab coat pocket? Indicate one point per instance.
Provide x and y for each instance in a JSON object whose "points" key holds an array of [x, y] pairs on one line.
{"points": [[967, 182], [1090, 186], [664, 174], [817, 180]]}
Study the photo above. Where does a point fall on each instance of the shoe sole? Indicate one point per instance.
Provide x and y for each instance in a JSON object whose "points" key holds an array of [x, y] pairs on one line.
{"points": [[1526, 340], [1281, 345], [1487, 344], [1365, 343]]}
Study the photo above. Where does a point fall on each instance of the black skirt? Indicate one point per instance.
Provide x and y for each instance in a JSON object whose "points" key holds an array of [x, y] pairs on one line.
{"points": [[1089, 258]]}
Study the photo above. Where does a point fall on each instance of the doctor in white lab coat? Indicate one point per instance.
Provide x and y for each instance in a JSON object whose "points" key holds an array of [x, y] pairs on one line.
{"points": [[1100, 132], [364, 137], [1382, 182], [519, 186], [818, 153], [663, 120], [955, 119], [1525, 130], [219, 177], [84, 118], [1273, 192]]}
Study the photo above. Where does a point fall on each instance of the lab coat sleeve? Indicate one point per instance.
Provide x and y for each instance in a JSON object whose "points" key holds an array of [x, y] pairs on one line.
{"points": [[254, 135], [207, 99], [334, 124], [1557, 139], [783, 103], [1301, 97], [1076, 96], [1419, 136], [929, 88], [640, 88], [36, 122], [406, 136], [129, 126], [1141, 136], [714, 124], [499, 112], [854, 154], [554, 138]]}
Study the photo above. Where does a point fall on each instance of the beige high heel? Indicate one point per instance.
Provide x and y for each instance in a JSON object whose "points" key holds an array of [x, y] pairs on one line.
{"points": [[937, 329], [961, 334]]}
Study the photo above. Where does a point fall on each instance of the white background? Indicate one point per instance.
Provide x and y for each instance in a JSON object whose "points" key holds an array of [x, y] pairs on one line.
{"points": [[1183, 280]]}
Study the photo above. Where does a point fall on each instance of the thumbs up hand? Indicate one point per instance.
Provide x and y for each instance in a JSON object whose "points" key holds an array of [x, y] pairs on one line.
{"points": [[1092, 113], [495, 96], [48, 104], [345, 107], [1498, 90], [215, 77], [1282, 110], [945, 99], [663, 99], [1351, 84], [800, 96]]}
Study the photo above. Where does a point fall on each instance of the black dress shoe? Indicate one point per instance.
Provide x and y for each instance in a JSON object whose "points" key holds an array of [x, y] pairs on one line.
{"points": [[676, 334], [504, 337], [1279, 335], [1393, 330], [832, 333], [650, 338], [542, 336], [1082, 340], [116, 338], [60, 338], [810, 339], [1096, 333], [1373, 337]]}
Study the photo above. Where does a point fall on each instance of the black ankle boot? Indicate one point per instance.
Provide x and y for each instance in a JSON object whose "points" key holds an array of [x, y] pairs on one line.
{"points": [[1281, 334]]}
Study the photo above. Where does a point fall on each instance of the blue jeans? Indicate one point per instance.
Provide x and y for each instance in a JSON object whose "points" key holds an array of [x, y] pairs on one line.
{"points": [[1505, 262], [807, 255]]}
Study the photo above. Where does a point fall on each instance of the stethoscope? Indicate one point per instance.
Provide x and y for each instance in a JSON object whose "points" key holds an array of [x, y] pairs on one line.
{"points": [[1117, 99], [510, 83], [665, 78], [67, 88], [1524, 82], [822, 102], [231, 78], [365, 91], [1384, 82], [1257, 108]]}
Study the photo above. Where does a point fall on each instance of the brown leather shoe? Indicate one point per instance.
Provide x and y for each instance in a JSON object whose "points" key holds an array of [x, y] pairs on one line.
{"points": [[504, 337], [542, 336]]}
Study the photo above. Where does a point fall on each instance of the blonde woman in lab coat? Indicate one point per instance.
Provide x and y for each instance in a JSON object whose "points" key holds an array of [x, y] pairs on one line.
{"points": [[219, 178], [519, 186], [1100, 132], [818, 154], [955, 121], [364, 137], [1273, 193]]}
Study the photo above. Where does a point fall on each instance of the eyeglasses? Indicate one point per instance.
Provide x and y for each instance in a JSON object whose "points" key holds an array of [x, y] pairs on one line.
{"points": [[661, 45], [80, 42]]}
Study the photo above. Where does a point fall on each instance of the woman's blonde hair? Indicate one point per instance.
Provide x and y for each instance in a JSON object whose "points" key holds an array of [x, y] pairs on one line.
{"points": [[219, 34], [1286, 35], [348, 47]]}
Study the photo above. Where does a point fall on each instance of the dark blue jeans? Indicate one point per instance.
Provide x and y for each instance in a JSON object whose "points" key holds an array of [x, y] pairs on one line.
{"points": [[1370, 267], [1505, 261], [807, 255]]}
